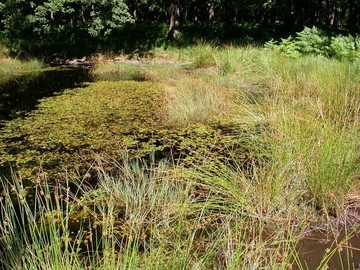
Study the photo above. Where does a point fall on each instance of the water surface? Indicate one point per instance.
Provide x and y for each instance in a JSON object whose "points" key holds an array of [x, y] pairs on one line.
{"points": [[21, 93]]}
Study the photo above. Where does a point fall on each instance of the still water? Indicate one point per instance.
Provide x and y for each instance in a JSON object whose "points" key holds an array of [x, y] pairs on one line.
{"points": [[20, 94], [318, 250]]}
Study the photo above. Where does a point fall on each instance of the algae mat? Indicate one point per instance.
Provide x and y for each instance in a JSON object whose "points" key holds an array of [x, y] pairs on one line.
{"points": [[110, 119], [93, 118]]}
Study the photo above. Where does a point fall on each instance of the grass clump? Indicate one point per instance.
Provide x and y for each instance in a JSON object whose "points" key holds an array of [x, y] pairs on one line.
{"points": [[231, 60], [197, 101], [201, 56]]}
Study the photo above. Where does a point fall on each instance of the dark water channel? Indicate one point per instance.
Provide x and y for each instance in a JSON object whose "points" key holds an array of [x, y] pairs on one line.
{"points": [[21, 94]]}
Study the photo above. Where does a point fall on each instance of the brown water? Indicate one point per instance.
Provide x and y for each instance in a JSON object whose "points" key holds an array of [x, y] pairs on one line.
{"points": [[342, 251]]}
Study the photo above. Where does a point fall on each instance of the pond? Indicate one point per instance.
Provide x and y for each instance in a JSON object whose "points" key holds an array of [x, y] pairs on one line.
{"points": [[20, 96]]}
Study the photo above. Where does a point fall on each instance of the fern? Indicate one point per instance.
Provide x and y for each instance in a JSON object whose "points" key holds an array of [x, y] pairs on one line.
{"points": [[345, 48], [286, 47], [313, 41]]}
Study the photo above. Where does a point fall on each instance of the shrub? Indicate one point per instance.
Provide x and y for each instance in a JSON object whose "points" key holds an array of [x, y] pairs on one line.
{"points": [[286, 47]]}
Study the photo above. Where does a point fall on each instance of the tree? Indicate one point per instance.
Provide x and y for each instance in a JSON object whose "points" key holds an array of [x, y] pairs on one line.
{"points": [[94, 17]]}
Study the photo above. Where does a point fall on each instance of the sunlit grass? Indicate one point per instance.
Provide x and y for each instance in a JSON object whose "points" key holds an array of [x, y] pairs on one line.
{"points": [[313, 105], [8, 65], [197, 100]]}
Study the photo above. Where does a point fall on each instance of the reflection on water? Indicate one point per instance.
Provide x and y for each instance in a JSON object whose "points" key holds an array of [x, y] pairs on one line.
{"points": [[318, 249], [20, 94]]}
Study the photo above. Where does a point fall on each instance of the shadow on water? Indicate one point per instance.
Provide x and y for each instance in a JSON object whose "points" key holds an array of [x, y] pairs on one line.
{"points": [[21, 94]]}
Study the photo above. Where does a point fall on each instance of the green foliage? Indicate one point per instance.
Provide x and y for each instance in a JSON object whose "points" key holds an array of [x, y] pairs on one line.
{"points": [[286, 47], [345, 48], [96, 17], [312, 41]]}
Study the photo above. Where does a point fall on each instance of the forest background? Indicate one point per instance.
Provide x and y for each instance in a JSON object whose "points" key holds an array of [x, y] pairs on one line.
{"points": [[78, 27]]}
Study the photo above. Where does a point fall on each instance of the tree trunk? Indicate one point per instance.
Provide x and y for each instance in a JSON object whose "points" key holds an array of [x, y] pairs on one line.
{"points": [[228, 17], [289, 18], [174, 27], [352, 15], [331, 11], [135, 8], [211, 15]]}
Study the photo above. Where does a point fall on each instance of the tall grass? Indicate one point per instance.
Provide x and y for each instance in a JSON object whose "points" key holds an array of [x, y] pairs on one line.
{"points": [[200, 56], [10, 66], [141, 216], [314, 105], [197, 100], [35, 229]]}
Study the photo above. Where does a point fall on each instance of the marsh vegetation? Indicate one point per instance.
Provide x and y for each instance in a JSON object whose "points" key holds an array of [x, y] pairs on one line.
{"points": [[199, 158]]}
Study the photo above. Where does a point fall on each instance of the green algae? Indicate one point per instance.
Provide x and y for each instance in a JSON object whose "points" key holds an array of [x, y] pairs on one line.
{"points": [[109, 119]]}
